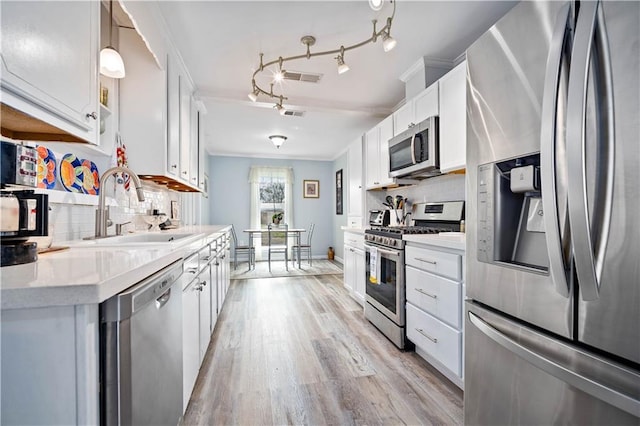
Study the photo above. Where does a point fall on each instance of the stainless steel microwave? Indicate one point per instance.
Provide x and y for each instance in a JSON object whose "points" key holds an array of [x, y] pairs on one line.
{"points": [[415, 152]]}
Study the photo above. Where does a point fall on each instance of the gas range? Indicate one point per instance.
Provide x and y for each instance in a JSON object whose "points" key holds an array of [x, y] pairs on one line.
{"points": [[428, 218], [391, 236]]}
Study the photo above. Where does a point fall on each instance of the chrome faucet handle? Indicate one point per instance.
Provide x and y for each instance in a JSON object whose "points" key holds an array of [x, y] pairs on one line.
{"points": [[118, 226]]}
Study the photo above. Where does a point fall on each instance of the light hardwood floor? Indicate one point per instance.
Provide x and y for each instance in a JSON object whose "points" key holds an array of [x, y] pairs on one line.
{"points": [[299, 351]]}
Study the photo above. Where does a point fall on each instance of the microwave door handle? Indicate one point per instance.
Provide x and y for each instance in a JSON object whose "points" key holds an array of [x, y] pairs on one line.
{"points": [[413, 148], [589, 250], [548, 134]]}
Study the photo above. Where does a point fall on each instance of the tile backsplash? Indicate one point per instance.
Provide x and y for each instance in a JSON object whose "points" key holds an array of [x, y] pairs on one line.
{"points": [[448, 187], [74, 221]]}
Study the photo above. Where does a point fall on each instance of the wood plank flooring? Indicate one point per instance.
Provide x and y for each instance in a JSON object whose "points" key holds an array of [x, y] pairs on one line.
{"points": [[299, 351]]}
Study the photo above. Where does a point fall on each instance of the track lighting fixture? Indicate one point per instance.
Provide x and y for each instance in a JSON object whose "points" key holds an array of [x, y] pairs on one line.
{"points": [[388, 43], [111, 64], [342, 67], [277, 140]]}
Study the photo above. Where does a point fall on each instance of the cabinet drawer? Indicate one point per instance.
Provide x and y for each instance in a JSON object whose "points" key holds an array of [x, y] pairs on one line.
{"points": [[436, 295], [354, 240], [441, 263], [435, 338]]}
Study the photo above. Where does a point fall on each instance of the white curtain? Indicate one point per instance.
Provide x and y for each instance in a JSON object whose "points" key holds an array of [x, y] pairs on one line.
{"points": [[261, 173]]}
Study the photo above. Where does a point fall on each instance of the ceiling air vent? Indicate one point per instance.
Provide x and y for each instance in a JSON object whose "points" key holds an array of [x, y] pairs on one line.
{"points": [[292, 113], [302, 76]]}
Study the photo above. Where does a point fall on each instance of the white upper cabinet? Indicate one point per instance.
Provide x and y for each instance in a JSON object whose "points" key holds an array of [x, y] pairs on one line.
{"points": [[417, 109], [185, 128], [156, 116], [49, 71], [377, 154], [173, 117], [202, 153], [194, 146], [453, 119], [354, 188], [425, 104]]}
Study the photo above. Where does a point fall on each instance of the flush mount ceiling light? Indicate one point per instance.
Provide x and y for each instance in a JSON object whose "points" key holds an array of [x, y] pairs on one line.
{"points": [[278, 140], [388, 43], [111, 64]]}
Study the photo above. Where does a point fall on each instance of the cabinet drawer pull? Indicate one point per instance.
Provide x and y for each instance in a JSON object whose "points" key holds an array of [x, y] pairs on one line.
{"points": [[432, 262], [203, 283], [92, 115], [421, 331], [433, 296], [184, 173], [191, 270], [197, 287]]}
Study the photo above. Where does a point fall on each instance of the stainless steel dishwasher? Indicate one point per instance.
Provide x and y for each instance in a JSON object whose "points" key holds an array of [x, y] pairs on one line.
{"points": [[141, 352]]}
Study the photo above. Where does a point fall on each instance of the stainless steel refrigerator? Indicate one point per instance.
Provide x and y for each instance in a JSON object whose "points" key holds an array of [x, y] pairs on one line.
{"points": [[552, 320]]}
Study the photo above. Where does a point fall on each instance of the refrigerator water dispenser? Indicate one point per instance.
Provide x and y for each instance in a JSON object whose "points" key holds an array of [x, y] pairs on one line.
{"points": [[510, 214]]}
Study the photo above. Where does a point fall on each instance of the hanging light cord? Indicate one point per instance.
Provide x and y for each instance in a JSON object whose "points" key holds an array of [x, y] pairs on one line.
{"points": [[308, 55]]}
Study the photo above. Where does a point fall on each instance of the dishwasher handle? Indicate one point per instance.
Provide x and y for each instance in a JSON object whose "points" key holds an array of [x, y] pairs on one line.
{"points": [[162, 300], [132, 300]]}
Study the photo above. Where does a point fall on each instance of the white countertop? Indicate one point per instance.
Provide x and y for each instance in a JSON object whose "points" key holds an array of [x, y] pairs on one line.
{"points": [[86, 274], [354, 230], [452, 240]]}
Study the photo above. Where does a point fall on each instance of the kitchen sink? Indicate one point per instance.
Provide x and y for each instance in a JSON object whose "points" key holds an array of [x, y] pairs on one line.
{"points": [[138, 239]]}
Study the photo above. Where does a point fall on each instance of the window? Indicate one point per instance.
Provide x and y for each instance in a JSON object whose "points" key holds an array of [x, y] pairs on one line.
{"points": [[271, 200]]}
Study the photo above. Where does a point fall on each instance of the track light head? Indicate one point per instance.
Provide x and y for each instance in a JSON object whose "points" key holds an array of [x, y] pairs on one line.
{"points": [[342, 67], [388, 42]]}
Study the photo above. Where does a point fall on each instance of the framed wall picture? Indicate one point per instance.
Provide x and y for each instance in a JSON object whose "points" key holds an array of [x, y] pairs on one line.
{"points": [[339, 192], [311, 189]]}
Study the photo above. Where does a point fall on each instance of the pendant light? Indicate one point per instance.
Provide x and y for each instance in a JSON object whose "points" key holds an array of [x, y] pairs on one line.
{"points": [[111, 64]]}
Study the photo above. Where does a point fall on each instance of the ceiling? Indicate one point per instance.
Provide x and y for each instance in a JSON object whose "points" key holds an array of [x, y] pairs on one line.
{"points": [[220, 42]]}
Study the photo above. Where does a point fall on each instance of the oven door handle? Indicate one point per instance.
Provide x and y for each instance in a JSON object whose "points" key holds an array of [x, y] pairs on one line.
{"points": [[383, 251]]}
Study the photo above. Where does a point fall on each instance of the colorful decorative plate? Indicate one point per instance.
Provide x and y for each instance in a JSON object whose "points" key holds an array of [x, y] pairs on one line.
{"points": [[71, 173], [90, 178], [47, 168]]}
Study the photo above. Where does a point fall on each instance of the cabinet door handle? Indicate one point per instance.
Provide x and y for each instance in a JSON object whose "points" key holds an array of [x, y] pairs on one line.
{"points": [[433, 296], [197, 287], [184, 173], [433, 262], [376, 183], [93, 115], [174, 166], [203, 283], [421, 331]]}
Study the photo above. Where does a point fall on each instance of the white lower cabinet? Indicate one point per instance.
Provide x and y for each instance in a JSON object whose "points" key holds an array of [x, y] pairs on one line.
{"points": [[190, 339], [354, 265], [204, 280], [435, 293]]}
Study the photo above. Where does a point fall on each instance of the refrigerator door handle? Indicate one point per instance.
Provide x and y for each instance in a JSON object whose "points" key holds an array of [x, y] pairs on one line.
{"points": [[585, 384], [548, 134], [589, 244]]}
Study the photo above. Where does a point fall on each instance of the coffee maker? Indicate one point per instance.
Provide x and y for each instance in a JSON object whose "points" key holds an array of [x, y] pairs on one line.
{"points": [[23, 213]]}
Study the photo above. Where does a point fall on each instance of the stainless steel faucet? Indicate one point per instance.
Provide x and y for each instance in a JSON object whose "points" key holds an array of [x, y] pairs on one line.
{"points": [[102, 213]]}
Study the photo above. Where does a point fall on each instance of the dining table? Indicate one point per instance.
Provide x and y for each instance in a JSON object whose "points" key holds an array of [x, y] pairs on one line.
{"points": [[291, 232]]}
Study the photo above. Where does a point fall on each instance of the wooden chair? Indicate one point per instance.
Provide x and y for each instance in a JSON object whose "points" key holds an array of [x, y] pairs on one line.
{"points": [[278, 248], [251, 251], [304, 247]]}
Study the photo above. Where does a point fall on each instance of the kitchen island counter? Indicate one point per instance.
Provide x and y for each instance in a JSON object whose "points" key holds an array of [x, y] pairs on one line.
{"points": [[90, 274]]}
